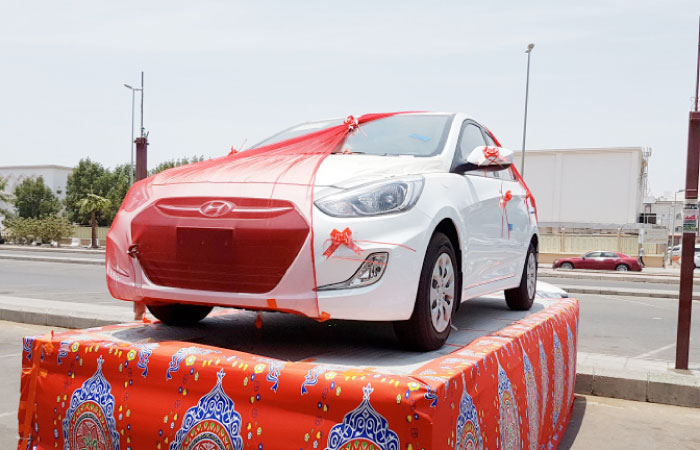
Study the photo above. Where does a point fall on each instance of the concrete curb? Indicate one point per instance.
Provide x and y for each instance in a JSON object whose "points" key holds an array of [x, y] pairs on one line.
{"points": [[89, 261], [30, 248], [611, 276], [622, 292], [61, 314], [638, 380]]}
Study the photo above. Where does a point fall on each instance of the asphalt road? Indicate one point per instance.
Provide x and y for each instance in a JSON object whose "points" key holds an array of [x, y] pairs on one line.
{"points": [[55, 281], [621, 326]]}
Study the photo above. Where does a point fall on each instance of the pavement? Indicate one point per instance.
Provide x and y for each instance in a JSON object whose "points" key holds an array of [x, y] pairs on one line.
{"points": [[612, 424]]}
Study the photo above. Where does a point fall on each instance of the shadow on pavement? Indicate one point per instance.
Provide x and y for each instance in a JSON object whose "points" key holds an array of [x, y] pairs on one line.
{"points": [[574, 424]]}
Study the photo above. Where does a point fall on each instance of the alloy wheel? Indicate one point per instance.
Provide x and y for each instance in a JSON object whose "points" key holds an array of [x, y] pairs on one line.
{"points": [[442, 292]]}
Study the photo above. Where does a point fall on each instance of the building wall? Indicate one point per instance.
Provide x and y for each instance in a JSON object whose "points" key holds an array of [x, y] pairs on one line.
{"points": [[55, 177], [595, 186]]}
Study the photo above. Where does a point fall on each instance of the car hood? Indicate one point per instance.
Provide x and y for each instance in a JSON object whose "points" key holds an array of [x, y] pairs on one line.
{"points": [[345, 171], [336, 170]]}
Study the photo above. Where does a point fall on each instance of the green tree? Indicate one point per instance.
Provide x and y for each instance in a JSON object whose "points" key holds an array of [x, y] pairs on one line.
{"points": [[94, 206], [88, 177], [4, 197], [32, 198], [118, 187], [165, 165]]}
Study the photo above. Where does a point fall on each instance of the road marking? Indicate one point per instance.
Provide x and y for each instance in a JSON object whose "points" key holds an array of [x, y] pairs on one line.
{"points": [[658, 350], [11, 356], [634, 301], [9, 413]]}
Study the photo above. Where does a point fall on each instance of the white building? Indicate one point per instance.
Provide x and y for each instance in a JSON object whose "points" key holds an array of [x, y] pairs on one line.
{"points": [[55, 177], [587, 187]]}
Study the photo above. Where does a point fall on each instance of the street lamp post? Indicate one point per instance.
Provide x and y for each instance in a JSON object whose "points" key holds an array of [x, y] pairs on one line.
{"points": [[133, 106], [527, 92]]}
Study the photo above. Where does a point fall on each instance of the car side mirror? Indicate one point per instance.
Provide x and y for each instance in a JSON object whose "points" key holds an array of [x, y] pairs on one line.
{"points": [[487, 158]]}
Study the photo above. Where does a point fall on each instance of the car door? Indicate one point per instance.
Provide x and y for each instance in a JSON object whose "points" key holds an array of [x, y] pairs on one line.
{"points": [[592, 260], [483, 250], [515, 220], [609, 260]]}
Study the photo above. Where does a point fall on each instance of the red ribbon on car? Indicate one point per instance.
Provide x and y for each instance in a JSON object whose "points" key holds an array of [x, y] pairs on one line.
{"points": [[339, 238], [505, 198], [351, 122]]}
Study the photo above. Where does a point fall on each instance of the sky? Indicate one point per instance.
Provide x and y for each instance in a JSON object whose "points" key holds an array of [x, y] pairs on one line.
{"points": [[221, 73]]}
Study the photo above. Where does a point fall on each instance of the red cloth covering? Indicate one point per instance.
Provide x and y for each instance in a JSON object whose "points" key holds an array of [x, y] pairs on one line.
{"points": [[511, 389], [278, 175]]}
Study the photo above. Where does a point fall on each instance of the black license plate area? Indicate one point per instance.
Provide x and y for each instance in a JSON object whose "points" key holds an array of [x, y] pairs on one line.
{"points": [[204, 245]]}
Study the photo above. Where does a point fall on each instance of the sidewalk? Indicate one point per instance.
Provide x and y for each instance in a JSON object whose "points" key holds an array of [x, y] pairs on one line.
{"points": [[611, 424]]}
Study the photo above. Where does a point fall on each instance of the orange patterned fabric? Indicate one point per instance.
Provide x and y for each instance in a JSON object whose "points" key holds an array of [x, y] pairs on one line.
{"points": [[86, 389]]}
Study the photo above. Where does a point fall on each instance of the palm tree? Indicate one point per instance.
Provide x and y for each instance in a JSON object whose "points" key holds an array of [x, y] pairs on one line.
{"points": [[94, 205]]}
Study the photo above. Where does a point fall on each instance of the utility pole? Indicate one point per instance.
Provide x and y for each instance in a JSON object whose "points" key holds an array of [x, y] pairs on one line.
{"points": [[527, 92], [133, 105], [690, 226]]}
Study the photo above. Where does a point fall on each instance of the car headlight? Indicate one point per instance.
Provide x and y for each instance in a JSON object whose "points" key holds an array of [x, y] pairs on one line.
{"points": [[373, 199]]}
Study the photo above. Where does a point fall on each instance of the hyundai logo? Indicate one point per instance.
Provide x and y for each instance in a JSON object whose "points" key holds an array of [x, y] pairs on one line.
{"points": [[216, 208]]}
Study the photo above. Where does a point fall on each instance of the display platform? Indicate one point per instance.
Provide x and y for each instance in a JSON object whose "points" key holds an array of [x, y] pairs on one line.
{"points": [[504, 380]]}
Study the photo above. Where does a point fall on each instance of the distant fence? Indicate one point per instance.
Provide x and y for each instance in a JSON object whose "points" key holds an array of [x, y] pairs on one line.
{"points": [[581, 243], [85, 232]]}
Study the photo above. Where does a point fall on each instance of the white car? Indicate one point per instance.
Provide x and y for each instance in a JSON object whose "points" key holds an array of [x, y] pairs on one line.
{"points": [[411, 215]]}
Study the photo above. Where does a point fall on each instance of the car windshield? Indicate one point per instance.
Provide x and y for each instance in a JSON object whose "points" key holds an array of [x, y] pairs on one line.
{"points": [[401, 134]]}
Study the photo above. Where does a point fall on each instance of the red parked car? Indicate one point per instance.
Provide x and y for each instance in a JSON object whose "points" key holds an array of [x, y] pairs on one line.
{"points": [[600, 260]]}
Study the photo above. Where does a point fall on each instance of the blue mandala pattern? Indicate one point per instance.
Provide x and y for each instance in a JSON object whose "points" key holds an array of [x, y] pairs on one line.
{"points": [[27, 346], [363, 425], [273, 374], [214, 420], [572, 365], [533, 407], [145, 352], [468, 429], [182, 354], [558, 379], [63, 349], [311, 378], [544, 382], [509, 421], [95, 392]]}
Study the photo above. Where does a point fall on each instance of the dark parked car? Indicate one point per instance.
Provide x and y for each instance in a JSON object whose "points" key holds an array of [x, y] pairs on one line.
{"points": [[600, 260]]}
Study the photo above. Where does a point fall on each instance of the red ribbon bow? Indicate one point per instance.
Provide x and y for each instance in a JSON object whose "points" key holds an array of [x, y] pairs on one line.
{"points": [[339, 238], [505, 198], [492, 155], [351, 122]]}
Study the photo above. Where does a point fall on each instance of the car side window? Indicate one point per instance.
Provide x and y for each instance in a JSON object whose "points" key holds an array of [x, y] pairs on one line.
{"points": [[593, 255], [469, 138], [610, 255]]}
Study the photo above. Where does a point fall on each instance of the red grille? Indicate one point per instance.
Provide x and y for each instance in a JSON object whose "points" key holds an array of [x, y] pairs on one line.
{"points": [[227, 245]]}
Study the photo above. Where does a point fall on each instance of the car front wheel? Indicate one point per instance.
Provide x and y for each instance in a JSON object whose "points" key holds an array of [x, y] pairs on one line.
{"points": [[522, 297], [567, 266], [439, 292], [179, 313]]}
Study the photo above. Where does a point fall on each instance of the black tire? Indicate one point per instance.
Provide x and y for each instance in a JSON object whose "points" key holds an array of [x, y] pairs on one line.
{"points": [[622, 268], [179, 313], [418, 333], [521, 298], [566, 266]]}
